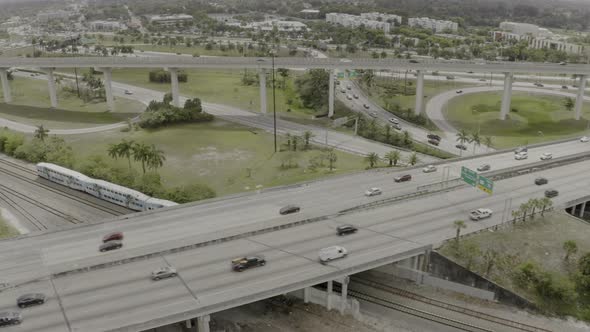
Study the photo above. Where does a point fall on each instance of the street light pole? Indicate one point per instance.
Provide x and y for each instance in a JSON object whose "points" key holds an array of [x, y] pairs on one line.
{"points": [[274, 108]]}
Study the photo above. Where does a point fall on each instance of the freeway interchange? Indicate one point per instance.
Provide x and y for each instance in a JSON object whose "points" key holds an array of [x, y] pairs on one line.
{"points": [[119, 287]]}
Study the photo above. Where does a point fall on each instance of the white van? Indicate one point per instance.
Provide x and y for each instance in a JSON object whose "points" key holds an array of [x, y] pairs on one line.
{"points": [[332, 253]]}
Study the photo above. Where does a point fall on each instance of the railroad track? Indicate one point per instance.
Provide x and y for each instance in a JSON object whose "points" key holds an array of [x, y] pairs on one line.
{"points": [[24, 212], [448, 306], [90, 203]]}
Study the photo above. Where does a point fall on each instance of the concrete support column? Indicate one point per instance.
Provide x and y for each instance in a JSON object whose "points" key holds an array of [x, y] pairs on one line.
{"points": [[419, 93], [329, 296], [51, 86], [506, 96], [108, 87], [580, 97], [426, 261], [262, 80], [203, 323], [189, 323], [174, 83], [344, 292], [331, 95], [581, 214], [5, 85], [306, 294]]}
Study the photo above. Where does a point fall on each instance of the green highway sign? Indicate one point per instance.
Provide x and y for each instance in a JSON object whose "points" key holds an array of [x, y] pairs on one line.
{"points": [[485, 184], [469, 176], [352, 74], [340, 75]]}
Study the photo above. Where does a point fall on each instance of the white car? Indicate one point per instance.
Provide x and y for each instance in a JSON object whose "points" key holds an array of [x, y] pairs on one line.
{"points": [[373, 192], [521, 156], [584, 139], [429, 169], [373, 114], [349, 87], [366, 106], [332, 253], [459, 91], [355, 96], [128, 92], [164, 272], [394, 121], [343, 90], [349, 97], [546, 156], [480, 214]]}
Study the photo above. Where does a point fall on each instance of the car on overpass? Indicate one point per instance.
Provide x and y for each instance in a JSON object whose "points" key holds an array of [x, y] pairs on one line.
{"points": [[373, 192], [521, 149], [551, 193], [403, 178], [564, 87], [584, 139], [331, 253], [414, 61], [541, 181], [289, 209], [164, 272], [111, 245], [348, 86], [547, 156], [10, 318], [349, 97], [28, 300], [346, 229], [450, 77], [540, 85], [484, 167], [355, 96], [114, 236], [429, 169], [480, 214], [521, 156], [243, 263]]}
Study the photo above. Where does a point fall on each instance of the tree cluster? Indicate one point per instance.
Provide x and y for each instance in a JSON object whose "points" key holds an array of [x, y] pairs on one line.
{"points": [[159, 114], [162, 76]]}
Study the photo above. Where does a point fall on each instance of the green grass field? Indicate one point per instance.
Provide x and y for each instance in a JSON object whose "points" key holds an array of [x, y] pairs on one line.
{"points": [[6, 230], [217, 154], [538, 118], [31, 105]]}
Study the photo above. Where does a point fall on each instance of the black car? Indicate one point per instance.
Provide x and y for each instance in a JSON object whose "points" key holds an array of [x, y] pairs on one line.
{"points": [[434, 142], [414, 61], [484, 167], [461, 147], [111, 245], [346, 229], [541, 181], [243, 263], [10, 318], [403, 178], [28, 300], [289, 209], [551, 193], [433, 136]]}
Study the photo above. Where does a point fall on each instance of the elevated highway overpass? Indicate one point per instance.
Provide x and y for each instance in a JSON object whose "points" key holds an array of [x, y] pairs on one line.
{"points": [[92, 291]]}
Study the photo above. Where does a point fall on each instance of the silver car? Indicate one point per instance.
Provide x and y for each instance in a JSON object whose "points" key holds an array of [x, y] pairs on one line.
{"points": [[164, 272]]}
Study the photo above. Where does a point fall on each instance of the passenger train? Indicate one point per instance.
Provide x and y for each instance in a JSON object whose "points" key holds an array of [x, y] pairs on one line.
{"points": [[104, 190]]}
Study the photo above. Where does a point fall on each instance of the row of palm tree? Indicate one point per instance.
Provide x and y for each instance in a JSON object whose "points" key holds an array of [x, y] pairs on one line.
{"points": [[393, 157], [528, 208], [149, 156], [464, 137]]}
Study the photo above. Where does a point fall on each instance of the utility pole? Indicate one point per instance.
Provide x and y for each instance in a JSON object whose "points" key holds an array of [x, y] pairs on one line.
{"points": [[274, 102], [75, 69]]}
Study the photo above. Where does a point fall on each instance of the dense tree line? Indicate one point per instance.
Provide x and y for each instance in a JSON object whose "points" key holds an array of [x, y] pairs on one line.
{"points": [[159, 114], [162, 76]]}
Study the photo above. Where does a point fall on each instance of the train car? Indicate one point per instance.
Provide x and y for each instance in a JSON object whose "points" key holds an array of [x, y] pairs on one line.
{"points": [[63, 176], [104, 190]]}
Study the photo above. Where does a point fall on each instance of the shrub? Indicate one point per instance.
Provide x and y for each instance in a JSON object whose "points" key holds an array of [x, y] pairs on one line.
{"points": [[12, 142], [190, 193], [162, 113], [162, 76], [149, 184]]}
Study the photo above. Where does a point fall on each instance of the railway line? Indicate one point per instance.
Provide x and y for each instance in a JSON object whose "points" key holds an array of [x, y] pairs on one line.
{"points": [[102, 207], [373, 293]]}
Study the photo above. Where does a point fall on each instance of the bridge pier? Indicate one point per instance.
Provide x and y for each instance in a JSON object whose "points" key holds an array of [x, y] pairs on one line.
{"points": [[174, 82], [331, 94], [419, 93], [51, 86], [506, 96], [343, 294], [583, 208], [108, 86], [329, 295], [262, 80], [306, 294], [5, 85], [580, 97], [203, 323]]}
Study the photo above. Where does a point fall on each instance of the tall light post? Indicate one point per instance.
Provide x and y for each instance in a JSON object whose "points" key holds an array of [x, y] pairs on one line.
{"points": [[274, 99]]}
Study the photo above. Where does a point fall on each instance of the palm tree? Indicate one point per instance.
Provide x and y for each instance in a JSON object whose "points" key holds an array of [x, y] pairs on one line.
{"points": [[126, 150], [41, 133], [393, 156], [524, 208], [141, 152], [475, 139], [332, 158], [155, 158], [458, 224], [488, 141], [516, 214], [413, 159], [407, 137], [308, 135], [570, 247], [462, 137], [533, 204], [545, 203], [372, 158]]}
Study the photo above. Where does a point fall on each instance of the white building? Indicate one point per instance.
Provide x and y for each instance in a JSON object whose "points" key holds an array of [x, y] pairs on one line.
{"points": [[107, 26], [170, 20], [352, 21], [269, 25], [310, 13], [44, 17], [520, 28], [432, 24], [389, 18], [536, 37]]}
